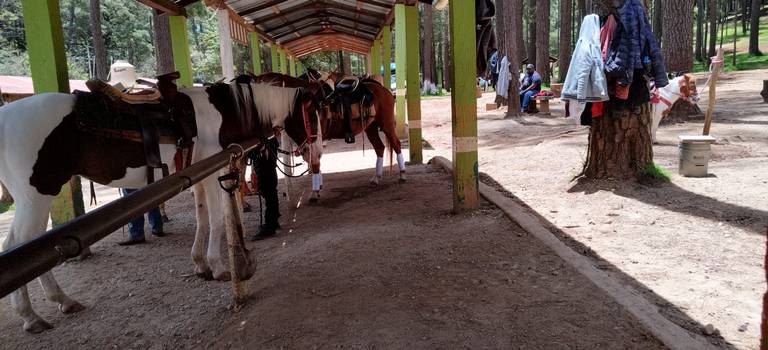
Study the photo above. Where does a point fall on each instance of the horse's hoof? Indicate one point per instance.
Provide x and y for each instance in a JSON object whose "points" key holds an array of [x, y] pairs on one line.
{"points": [[71, 307], [207, 275], [402, 177], [225, 276], [37, 326]]}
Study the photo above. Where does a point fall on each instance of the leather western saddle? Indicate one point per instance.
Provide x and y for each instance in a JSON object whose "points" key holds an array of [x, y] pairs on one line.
{"points": [[153, 117], [352, 100]]}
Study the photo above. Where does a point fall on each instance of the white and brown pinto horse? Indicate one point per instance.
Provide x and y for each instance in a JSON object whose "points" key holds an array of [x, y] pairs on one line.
{"points": [[384, 120], [682, 87], [41, 148]]}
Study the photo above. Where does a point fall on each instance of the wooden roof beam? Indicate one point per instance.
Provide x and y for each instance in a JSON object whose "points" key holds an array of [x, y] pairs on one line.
{"points": [[261, 7], [166, 6]]}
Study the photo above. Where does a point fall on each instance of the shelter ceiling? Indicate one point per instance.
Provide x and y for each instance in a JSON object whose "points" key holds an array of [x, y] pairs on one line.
{"points": [[298, 25]]}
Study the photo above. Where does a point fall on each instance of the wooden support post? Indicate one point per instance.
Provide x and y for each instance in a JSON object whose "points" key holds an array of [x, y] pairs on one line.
{"points": [[464, 105], [386, 56], [225, 45], [48, 63], [274, 59], [182, 59], [292, 66], [413, 86], [241, 264], [401, 69], [283, 61], [255, 53], [717, 65]]}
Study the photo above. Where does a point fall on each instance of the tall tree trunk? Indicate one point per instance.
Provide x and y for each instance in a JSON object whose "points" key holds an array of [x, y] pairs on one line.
{"points": [[163, 49], [658, 19], [582, 4], [542, 39], [428, 68], [532, 32], [501, 28], [712, 13], [700, 30], [678, 35], [735, 31], [744, 14], [754, 28], [620, 141], [564, 47], [99, 51], [513, 14]]}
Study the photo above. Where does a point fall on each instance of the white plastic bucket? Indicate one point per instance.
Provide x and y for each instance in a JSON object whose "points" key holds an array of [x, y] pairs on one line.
{"points": [[694, 158]]}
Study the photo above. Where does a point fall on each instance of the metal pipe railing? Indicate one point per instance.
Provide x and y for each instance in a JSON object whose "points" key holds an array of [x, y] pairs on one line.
{"points": [[23, 263]]}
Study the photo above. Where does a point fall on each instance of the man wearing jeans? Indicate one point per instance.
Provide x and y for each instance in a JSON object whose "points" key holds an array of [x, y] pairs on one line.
{"points": [[531, 85], [136, 226]]}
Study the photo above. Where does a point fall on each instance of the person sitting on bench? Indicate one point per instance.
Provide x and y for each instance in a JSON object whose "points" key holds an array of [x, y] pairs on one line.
{"points": [[531, 85]]}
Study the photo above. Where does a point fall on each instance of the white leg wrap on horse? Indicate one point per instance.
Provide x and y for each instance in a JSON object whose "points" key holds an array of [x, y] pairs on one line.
{"points": [[401, 161], [317, 181], [379, 166]]}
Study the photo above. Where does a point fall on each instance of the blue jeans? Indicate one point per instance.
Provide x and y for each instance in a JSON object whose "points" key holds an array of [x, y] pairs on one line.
{"points": [[136, 226], [525, 99]]}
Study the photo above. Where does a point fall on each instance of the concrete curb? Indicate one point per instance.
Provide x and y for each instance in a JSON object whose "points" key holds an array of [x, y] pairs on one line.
{"points": [[672, 335]]}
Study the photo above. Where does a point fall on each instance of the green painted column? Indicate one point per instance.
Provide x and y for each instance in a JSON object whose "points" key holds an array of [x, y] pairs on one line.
{"points": [[401, 68], [182, 59], [255, 53], [464, 105], [292, 66], [300, 67], [283, 62], [413, 85], [274, 58], [386, 55], [48, 63], [376, 53]]}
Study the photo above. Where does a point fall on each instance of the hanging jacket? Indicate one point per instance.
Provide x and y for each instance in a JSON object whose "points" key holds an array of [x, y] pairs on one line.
{"points": [[502, 87], [586, 79], [634, 47]]}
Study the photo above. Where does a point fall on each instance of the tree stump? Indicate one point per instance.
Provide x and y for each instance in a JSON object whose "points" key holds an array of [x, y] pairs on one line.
{"points": [[764, 93], [681, 112], [619, 144], [5, 196]]}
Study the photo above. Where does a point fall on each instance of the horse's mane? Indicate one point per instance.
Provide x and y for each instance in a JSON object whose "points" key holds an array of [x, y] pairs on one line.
{"points": [[253, 101]]}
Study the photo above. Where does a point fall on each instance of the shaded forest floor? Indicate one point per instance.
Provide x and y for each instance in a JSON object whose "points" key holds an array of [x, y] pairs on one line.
{"points": [[695, 242]]}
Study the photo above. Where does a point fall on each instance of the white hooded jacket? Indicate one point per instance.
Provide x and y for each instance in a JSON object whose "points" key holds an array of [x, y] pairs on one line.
{"points": [[586, 81]]}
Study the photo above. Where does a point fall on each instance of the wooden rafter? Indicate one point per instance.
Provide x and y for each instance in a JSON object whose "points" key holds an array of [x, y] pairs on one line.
{"points": [[166, 6], [261, 7]]}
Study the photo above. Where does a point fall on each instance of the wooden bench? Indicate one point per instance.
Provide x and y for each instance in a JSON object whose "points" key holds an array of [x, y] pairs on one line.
{"points": [[543, 102]]}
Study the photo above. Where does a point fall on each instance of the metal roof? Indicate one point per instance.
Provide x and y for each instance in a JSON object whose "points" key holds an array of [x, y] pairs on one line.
{"points": [[306, 26]]}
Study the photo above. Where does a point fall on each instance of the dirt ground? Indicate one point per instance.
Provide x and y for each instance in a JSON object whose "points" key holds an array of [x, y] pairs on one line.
{"points": [[695, 246], [386, 267]]}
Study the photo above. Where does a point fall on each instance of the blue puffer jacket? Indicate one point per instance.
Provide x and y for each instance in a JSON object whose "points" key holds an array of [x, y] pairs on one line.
{"points": [[634, 47]]}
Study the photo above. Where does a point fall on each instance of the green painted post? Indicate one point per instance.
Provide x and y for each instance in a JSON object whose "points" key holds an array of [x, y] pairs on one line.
{"points": [[274, 58], [464, 105], [48, 63], [401, 67], [182, 59], [386, 57], [413, 86], [376, 52], [283, 62], [292, 66], [300, 67], [255, 53]]}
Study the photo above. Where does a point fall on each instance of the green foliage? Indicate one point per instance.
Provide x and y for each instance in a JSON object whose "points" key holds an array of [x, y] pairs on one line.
{"points": [[655, 173], [323, 61], [744, 61], [4, 207]]}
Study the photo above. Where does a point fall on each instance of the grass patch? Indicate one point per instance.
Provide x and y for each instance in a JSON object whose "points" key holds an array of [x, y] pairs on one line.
{"points": [[655, 173], [7, 207], [744, 61]]}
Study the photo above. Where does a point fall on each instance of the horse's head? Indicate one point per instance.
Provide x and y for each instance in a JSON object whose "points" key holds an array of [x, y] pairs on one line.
{"points": [[688, 88]]}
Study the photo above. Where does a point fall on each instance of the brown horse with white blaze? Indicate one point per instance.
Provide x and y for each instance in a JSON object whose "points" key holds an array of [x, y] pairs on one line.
{"points": [[383, 119]]}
